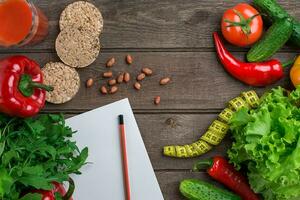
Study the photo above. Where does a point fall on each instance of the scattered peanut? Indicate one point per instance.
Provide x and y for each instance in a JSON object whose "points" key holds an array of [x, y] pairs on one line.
{"points": [[140, 77], [112, 82], [129, 59], [89, 83], [164, 81], [157, 100], [137, 85], [103, 90], [113, 90], [147, 71], [108, 74], [120, 78], [110, 62], [126, 77]]}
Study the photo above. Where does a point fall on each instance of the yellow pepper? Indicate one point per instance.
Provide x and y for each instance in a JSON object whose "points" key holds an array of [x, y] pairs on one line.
{"points": [[295, 72]]}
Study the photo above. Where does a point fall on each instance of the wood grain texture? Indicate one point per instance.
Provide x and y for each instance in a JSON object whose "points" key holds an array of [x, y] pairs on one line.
{"points": [[174, 39], [159, 130], [199, 82], [170, 180], [152, 24]]}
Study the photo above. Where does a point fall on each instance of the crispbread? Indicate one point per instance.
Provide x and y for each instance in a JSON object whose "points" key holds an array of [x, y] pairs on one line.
{"points": [[82, 15], [64, 79], [77, 48]]}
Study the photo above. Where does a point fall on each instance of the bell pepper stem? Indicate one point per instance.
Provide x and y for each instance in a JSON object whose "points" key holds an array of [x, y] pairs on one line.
{"points": [[27, 86], [203, 165], [70, 191], [48, 88], [288, 63]]}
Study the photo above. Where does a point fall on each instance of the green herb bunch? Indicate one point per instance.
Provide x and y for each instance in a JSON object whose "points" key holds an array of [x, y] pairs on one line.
{"points": [[34, 152]]}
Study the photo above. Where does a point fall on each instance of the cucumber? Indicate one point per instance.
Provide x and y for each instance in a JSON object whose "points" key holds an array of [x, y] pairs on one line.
{"points": [[277, 35], [194, 189], [295, 38], [272, 11]]}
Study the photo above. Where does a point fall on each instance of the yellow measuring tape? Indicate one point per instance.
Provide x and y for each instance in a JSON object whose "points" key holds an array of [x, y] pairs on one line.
{"points": [[216, 131]]}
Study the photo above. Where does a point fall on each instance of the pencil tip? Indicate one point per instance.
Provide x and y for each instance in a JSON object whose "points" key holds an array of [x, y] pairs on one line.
{"points": [[121, 119]]}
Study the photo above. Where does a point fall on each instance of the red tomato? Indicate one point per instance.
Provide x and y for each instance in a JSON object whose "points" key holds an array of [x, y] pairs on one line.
{"points": [[50, 195], [242, 25]]}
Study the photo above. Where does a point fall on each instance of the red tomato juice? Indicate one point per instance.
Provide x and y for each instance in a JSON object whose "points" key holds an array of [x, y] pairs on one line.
{"points": [[21, 23]]}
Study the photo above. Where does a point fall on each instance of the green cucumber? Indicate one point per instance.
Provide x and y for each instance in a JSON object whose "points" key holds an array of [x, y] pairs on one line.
{"points": [[277, 35], [194, 189], [295, 38], [272, 11]]}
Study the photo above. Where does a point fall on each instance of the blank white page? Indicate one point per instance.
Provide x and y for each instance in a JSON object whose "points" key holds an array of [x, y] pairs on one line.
{"points": [[102, 179]]}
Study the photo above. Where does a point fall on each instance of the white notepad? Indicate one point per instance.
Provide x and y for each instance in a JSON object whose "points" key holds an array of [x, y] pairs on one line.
{"points": [[103, 178]]}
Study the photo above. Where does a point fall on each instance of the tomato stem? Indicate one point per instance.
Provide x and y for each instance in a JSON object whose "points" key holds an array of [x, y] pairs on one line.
{"points": [[243, 23]]}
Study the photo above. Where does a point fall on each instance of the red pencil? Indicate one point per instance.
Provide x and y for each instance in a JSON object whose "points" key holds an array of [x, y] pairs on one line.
{"points": [[125, 159]]}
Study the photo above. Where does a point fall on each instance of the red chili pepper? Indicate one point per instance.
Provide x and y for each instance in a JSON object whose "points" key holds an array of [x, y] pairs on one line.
{"points": [[22, 93], [254, 74], [219, 169], [58, 188]]}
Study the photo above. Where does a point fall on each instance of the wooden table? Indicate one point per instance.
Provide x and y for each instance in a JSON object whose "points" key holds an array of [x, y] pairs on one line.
{"points": [[174, 38]]}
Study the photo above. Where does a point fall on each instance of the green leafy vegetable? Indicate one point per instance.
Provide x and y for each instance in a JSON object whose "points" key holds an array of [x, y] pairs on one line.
{"points": [[34, 152], [267, 142], [32, 197]]}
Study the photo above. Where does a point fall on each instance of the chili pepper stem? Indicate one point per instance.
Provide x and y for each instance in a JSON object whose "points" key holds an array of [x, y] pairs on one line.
{"points": [[288, 63], [70, 191], [203, 164]]}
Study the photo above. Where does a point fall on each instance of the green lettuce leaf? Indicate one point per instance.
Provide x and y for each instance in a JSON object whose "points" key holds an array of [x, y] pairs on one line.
{"points": [[267, 142]]}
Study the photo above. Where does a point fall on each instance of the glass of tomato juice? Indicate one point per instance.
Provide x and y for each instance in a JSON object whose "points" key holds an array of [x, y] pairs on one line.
{"points": [[21, 23]]}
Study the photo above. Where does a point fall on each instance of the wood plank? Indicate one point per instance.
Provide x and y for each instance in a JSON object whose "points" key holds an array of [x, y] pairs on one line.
{"points": [[199, 82], [152, 23], [169, 182], [159, 130]]}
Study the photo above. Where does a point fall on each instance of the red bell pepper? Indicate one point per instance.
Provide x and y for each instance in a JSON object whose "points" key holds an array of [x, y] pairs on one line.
{"points": [[219, 169], [58, 188], [22, 93], [254, 74]]}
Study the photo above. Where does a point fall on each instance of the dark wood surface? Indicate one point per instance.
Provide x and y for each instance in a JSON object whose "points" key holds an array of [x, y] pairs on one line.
{"points": [[174, 38]]}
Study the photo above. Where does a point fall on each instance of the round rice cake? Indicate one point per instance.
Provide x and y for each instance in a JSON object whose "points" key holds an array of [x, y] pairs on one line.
{"points": [[82, 15], [64, 79], [77, 48]]}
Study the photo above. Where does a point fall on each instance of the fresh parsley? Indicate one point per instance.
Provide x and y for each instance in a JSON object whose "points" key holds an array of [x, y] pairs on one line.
{"points": [[34, 152]]}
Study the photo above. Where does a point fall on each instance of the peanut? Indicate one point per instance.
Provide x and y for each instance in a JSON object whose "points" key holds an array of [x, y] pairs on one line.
{"points": [[108, 74], [103, 90], [157, 100], [137, 85], [126, 77], [140, 77], [147, 71], [112, 82], [129, 59], [89, 83], [164, 81], [110, 62], [120, 78], [113, 90]]}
